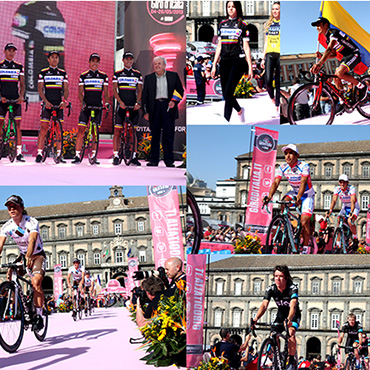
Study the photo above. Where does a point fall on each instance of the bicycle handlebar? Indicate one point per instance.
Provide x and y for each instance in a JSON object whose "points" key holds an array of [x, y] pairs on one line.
{"points": [[57, 107], [347, 347], [15, 101], [99, 108]]}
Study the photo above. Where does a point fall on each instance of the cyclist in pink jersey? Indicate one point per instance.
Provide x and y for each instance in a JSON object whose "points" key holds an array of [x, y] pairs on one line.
{"points": [[299, 177]]}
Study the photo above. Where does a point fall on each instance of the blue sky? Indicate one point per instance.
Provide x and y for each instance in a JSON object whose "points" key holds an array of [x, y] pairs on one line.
{"points": [[45, 195], [297, 34], [213, 148]]}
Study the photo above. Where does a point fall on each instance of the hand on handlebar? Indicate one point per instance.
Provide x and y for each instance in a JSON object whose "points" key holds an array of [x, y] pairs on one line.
{"points": [[107, 105], [315, 69], [3, 100], [318, 54], [266, 200]]}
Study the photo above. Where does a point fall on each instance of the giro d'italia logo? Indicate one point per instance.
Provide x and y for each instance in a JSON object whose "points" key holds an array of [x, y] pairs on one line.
{"points": [[160, 191], [265, 143], [132, 263], [166, 13], [57, 269]]}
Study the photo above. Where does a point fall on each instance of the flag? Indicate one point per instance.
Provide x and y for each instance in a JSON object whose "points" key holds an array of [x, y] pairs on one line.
{"points": [[106, 253], [176, 96], [99, 282], [129, 253], [341, 20]]}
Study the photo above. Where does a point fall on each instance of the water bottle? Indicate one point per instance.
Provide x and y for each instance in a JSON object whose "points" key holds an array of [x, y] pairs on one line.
{"points": [[42, 27]]}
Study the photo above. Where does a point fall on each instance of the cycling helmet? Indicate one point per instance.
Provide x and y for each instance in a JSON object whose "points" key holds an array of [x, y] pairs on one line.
{"points": [[87, 272], [76, 260], [15, 199]]}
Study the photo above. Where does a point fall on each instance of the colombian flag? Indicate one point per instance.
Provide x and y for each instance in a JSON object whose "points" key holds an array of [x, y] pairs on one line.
{"points": [[176, 96], [343, 21]]}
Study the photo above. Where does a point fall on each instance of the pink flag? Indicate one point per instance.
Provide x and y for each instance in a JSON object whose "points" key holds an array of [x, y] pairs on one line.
{"points": [[261, 178], [368, 226], [165, 222], [58, 281], [133, 265], [195, 298]]}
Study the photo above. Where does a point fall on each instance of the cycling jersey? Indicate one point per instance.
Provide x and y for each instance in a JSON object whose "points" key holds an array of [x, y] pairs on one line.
{"points": [[294, 175], [93, 83], [53, 79], [273, 37], [352, 332], [345, 195], [198, 70], [343, 44], [76, 273], [128, 80], [10, 72], [232, 37], [364, 351], [21, 233], [88, 281]]}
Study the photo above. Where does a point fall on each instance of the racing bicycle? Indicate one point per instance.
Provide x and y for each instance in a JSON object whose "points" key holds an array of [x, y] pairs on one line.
{"points": [[17, 311], [8, 139], [77, 303], [342, 236], [325, 101], [197, 225], [54, 138], [90, 144], [128, 141], [351, 359]]}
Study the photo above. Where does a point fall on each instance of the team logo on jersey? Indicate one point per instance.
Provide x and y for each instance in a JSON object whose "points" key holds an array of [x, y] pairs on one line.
{"points": [[265, 143]]}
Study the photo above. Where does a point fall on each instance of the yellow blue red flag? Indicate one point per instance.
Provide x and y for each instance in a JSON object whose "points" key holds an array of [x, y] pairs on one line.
{"points": [[340, 19], [176, 96]]}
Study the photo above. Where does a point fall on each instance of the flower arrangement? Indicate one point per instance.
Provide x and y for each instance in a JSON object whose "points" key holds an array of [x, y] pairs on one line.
{"points": [[69, 143], [215, 363], [363, 249], [165, 334], [144, 147], [244, 88], [63, 307], [250, 244]]}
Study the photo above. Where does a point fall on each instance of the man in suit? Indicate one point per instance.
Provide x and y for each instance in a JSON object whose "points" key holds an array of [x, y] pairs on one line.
{"points": [[161, 94]]}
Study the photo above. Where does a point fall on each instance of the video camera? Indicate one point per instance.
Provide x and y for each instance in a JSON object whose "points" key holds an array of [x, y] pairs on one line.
{"points": [[140, 275]]}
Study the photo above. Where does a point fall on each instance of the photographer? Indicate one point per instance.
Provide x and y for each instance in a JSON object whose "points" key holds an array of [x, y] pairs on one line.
{"points": [[173, 268], [154, 288]]}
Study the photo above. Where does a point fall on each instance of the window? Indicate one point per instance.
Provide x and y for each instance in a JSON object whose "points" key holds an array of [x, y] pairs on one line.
{"points": [[81, 257], [44, 233], [334, 318], [316, 287], [237, 318], [119, 256], [97, 258], [63, 260], [245, 173], [95, 229], [243, 199], [62, 232], [140, 226], [142, 255], [47, 262], [250, 7], [347, 170], [363, 230], [312, 170], [80, 230], [219, 287], [314, 320], [327, 201], [257, 287], [238, 288], [273, 315], [118, 228], [364, 201], [218, 318], [365, 171], [11, 258], [357, 286], [328, 171], [336, 287], [290, 67], [358, 317], [206, 8]]}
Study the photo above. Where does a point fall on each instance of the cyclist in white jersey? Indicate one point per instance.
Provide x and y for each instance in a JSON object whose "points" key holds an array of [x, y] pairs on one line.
{"points": [[350, 206], [89, 283], [26, 233], [299, 177]]}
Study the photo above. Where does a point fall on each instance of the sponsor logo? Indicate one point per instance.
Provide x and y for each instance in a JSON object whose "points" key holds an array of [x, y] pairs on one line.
{"points": [[132, 263], [161, 247], [57, 269], [51, 29], [127, 80], [19, 20], [166, 12], [265, 143], [160, 191], [156, 215]]}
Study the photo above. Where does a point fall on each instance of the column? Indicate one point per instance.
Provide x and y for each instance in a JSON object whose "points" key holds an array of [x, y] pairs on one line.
{"points": [[52, 230], [326, 283], [227, 314], [325, 316], [70, 228]]}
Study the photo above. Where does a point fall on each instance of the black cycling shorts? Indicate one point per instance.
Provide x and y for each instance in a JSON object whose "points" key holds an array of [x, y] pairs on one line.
{"points": [[280, 318], [85, 115], [351, 61], [17, 110], [121, 115], [46, 115]]}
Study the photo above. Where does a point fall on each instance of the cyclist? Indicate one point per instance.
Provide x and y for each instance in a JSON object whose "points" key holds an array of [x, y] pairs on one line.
{"points": [[93, 83], [338, 42], [53, 90], [285, 295], [354, 330], [350, 207], [78, 276], [364, 349], [26, 233], [298, 174], [127, 90], [11, 74], [89, 284]]}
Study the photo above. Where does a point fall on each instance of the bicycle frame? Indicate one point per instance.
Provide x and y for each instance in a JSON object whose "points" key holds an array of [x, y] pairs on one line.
{"points": [[343, 233]]}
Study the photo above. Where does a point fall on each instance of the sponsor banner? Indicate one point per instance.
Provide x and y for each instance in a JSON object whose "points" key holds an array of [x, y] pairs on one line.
{"points": [[262, 176], [214, 248], [128, 292], [133, 265], [58, 281], [195, 300], [165, 223], [37, 27], [213, 89], [162, 25], [368, 226]]}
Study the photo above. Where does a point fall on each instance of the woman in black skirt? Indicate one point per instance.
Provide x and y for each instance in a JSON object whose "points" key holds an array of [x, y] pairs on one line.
{"points": [[234, 54]]}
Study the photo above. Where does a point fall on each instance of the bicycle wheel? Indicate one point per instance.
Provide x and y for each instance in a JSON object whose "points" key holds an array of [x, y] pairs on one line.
{"points": [[11, 318], [111, 302], [338, 242], [46, 149], [277, 237], [57, 141], [266, 358], [93, 143], [129, 143], [197, 219], [75, 309], [12, 141], [316, 116], [41, 334], [364, 107]]}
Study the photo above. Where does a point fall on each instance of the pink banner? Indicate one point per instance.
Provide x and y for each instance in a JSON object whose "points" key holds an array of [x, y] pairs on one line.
{"points": [[261, 178], [368, 226], [128, 292], [217, 247], [58, 281], [213, 88], [133, 265], [195, 299], [165, 222]]}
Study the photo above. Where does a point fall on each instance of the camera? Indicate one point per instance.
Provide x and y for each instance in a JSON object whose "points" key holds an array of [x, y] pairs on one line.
{"points": [[140, 275]]}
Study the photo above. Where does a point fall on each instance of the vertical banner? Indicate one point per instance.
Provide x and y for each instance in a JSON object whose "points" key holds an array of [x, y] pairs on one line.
{"points": [[128, 291], [162, 33], [195, 300], [368, 226], [261, 178], [58, 281], [165, 222], [133, 265]]}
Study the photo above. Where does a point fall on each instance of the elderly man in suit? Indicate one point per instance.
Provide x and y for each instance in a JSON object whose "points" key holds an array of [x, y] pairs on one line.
{"points": [[161, 94]]}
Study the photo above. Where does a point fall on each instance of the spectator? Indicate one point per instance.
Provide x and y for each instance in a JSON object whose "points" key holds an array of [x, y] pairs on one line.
{"points": [[227, 349], [301, 108]]}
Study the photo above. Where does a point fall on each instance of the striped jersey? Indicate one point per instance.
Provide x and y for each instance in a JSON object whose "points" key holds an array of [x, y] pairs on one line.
{"points": [[345, 195], [128, 81], [93, 83], [10, 72], [53, 80]]}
